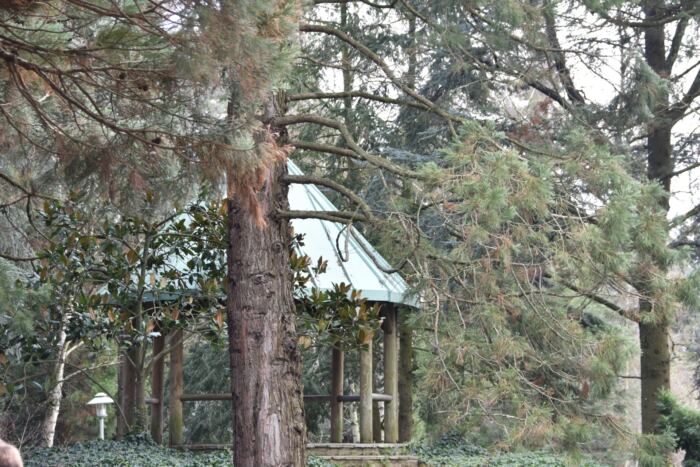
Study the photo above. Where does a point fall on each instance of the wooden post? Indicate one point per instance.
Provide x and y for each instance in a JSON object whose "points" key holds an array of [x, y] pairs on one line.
{"points": [[366, 394], [337, 367], [376, 416], [391, 368], [405, 380], [176, 388], [157, 389]]}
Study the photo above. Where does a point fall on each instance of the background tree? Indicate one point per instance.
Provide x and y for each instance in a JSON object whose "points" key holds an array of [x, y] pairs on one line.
{"points": [[472, 66], [637, 115]]}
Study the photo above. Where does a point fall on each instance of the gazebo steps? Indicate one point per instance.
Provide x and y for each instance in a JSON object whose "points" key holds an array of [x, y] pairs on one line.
{"points": [[363, 455], [372, 461]]}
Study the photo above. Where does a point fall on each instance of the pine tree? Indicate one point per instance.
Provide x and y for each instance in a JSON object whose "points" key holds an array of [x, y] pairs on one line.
{"points": [[649, 42], [471, 59]]}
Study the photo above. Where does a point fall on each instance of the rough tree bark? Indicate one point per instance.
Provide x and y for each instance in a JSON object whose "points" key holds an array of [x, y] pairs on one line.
{"points": [[157, 389], [268, 414], [131, 393], [125, 395], [653, 336]]}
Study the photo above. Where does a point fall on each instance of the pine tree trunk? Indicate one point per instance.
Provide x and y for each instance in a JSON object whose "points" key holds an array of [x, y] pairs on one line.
{"points": [[655, 371], [268, 417], [653, 336]]}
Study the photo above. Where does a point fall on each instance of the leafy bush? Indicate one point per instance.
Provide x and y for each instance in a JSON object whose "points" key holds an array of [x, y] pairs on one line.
{"points": [[453, 450], [123, 454], [524, 459], [130, 454], [684, 423]]}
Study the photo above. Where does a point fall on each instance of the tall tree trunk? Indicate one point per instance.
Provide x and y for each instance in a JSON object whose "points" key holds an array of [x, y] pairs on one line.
{"points": [[158, 388], [268, 414], [655, 371], [653, 335], [48, 429], [132, 392], [123, 389], [140, 373]]}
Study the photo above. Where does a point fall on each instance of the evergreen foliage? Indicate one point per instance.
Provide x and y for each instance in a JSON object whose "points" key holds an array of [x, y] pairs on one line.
{"points": [[684, 424], [529, 217]]}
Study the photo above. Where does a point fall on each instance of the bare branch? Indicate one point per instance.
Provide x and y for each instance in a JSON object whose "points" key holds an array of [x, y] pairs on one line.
{"points": [[18, 258], [677, 110], [341, 217], [676, 221], [351, 195], [629, 314], [328, 148], [366, 2]]}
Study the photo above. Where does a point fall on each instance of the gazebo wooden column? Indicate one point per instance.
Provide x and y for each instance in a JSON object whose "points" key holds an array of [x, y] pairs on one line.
{"points": [[405, 380], [337, 367], [391, 375], [176, 388], [366, 393], [376, 416]]}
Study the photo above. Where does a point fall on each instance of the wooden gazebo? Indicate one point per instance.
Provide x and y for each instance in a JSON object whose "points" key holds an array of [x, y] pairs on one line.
{"points": [[363, 268]]}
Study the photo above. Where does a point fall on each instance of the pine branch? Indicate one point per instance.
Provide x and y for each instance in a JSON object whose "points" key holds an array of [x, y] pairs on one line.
{"points": [[681, 171], [375, 160], [681, 243], [676, 42], [669, 16], [366, 51], [360, 94], [559, 58]]}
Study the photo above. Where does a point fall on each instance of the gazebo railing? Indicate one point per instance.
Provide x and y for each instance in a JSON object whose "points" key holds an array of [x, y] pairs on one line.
{"points": [[371, 428]]}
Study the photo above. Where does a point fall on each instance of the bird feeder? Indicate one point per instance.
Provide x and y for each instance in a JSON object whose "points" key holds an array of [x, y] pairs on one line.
{"points": [[100, 401]]}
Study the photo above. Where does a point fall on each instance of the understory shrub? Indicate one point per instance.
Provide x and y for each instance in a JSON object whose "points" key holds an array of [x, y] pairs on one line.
{"points": [[131, 453], [684, 424], [123, 454], [454, 451]]}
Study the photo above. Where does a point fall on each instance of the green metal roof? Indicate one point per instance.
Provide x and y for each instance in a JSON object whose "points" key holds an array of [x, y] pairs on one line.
{"points": [[358, 265]]}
